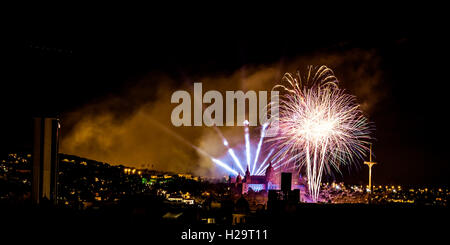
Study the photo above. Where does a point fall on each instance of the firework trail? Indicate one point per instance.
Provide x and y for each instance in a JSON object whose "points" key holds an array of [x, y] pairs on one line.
{"points": [[198, 149], [263, 166], [220, 162], [247, 144], [230, 150], [258, 149], [320, 126], [255, 167]]}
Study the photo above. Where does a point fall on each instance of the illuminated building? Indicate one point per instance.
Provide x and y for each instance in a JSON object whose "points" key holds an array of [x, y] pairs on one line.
{"points": [[271, 180]]}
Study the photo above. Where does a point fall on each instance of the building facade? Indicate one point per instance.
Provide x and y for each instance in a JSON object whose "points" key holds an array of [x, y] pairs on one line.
{"points": [[271, 180]]}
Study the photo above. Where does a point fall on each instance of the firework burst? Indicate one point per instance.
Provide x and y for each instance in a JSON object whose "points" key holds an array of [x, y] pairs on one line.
{"points": [[320, 126]]}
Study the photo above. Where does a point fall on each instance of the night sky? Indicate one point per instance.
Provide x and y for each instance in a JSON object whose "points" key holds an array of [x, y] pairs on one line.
{"points": [[55, 68]]}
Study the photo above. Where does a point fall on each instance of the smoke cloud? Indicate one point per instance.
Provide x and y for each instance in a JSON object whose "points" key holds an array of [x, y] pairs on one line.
{"points": [[133, 127]]}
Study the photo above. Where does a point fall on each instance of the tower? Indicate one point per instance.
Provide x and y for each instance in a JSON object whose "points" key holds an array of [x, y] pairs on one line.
{"points": [[238, 178], [45, 160], [269, 172], [247, 175], [370, 164], [269, 176]]}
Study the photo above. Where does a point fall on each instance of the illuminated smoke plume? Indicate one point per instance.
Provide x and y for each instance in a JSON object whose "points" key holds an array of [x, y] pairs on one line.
{"points": [[132, 127]]}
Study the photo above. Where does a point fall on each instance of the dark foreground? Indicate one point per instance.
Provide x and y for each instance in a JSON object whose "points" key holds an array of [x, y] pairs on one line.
{"points": [[309, 223]]}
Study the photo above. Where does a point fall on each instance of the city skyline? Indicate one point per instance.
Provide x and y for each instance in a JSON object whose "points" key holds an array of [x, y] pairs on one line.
{"points": [[108, 130]]}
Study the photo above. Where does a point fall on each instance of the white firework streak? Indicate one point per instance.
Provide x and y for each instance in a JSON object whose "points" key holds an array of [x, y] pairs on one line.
{"points": [[256, 168], [321, 127]]}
